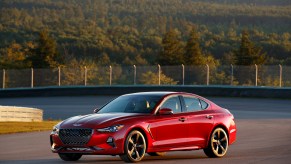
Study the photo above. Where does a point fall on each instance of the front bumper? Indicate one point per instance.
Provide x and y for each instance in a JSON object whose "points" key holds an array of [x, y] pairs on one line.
{"points": [[99, 144]]}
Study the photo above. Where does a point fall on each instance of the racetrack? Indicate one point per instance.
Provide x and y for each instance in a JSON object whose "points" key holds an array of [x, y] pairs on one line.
{"points": [[264, 132]]}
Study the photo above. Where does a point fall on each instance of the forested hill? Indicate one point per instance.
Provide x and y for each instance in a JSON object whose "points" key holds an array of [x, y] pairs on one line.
{"points": [[131, 31]]}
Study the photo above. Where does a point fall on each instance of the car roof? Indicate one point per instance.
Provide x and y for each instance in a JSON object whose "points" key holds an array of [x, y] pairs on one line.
{"points": [[154, 93], [164, 94]]}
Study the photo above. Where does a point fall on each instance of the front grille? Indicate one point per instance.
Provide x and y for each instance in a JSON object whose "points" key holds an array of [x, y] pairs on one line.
{"points": [[75, 136]]}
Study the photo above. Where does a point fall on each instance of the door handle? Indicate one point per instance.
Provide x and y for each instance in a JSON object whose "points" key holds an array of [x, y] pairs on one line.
{"points": [[182, 119], [209, 116]]}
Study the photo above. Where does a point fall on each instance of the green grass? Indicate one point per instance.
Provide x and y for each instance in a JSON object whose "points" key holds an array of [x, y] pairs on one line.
{"points": [[20, 127]]}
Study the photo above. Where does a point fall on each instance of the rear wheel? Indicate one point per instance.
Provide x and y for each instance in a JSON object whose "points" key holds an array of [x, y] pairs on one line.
{"points": [[134, 148], [157, 154], [70, 156], [218, 144]]}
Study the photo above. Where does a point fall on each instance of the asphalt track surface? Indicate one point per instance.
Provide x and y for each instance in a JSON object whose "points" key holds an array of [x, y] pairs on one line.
{"points": [[264, 132]]}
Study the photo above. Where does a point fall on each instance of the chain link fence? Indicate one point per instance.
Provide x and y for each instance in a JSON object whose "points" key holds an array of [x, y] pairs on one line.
{"points": [[255, 75]]}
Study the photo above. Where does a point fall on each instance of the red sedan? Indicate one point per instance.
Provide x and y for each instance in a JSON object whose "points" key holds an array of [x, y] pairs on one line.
{"points": [[151, 122]]}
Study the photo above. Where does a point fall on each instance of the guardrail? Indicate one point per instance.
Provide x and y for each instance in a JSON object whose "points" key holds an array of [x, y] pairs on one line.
{"points": [[20, 114], [204, 90]]}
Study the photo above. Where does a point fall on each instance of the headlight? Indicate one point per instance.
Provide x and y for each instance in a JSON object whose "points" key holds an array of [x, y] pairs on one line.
{"points": [[111, 129], [56, 128]]}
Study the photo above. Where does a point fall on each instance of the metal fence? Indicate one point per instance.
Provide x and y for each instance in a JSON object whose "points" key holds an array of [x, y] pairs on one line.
{"points": [[255, 75]]}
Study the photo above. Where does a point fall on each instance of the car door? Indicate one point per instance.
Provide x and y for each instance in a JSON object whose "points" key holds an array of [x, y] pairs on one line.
{"points": [[170, 131], [200, 120]]}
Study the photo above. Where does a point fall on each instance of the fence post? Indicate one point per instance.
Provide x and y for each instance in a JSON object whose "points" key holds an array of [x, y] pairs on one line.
{"points": [[183, 73], [85, 78], [281, 73], [134, 74], [159, 67], [31, 77], [207, 75], [256, 74], [3, 84], [110, 75], [59, 75], [231, 82]]}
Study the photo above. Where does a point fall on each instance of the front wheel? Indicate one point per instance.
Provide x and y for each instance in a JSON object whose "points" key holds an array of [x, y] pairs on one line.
{"points": [[134, 148], [70, 156], [218, 144]]}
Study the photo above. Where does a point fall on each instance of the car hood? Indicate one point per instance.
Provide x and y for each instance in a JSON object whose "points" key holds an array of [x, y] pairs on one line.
{"points": [[95, 120]]}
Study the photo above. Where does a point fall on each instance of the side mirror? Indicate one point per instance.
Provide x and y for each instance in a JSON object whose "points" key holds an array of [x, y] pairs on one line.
{"points": [[96, 110], [166, 111]]}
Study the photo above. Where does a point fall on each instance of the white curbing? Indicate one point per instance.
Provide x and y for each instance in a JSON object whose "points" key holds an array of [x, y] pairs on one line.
{"points": [[20, 114]]}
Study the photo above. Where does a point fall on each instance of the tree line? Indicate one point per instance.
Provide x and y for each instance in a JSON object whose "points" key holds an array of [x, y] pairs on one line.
{"points": [[43, 53]]}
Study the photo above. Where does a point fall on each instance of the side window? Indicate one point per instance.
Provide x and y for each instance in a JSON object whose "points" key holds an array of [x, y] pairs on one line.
{"points": [[204, 105], [192, 104], [173, 103]]}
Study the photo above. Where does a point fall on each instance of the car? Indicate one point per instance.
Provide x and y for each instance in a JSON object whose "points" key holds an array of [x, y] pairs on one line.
{"points": [[152, 123]]}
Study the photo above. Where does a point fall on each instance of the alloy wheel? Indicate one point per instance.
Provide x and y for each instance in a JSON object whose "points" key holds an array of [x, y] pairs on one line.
{"points": [[219, 142], [135, 147]]}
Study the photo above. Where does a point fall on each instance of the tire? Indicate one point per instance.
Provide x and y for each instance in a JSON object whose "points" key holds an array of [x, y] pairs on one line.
{"points": [[217, 144], [157, 153], [70, 156], [134, 147]]}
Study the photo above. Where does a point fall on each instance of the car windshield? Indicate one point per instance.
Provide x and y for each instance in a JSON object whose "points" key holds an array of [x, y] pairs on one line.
{"points": [[131, 104]]}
